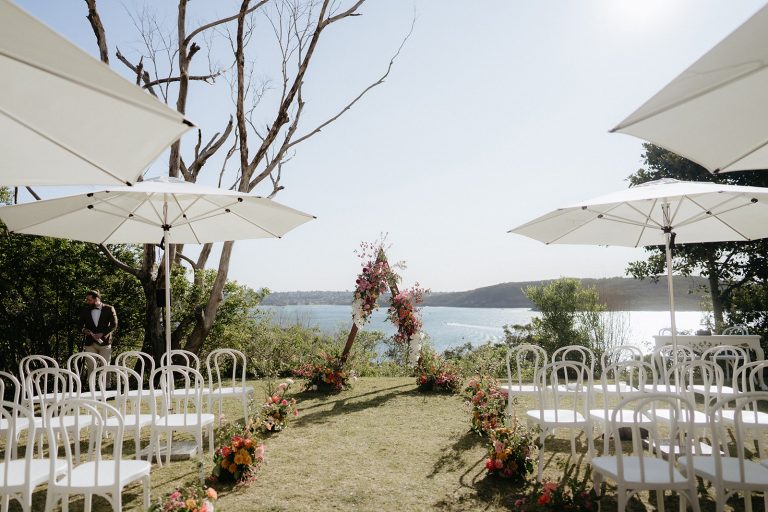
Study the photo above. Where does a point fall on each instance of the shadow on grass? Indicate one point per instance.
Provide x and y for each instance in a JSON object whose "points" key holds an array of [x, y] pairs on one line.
{"points": [[352, 404], [451, 460]]}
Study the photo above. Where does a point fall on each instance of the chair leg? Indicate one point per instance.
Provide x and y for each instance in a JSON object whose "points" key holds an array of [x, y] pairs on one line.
{"points": [[540, 475], [660, 500], [88, 503], [621, 497], [117, 499], [720, 499], [168, 449], [5, 503], [145, 491], [65, 502], [748, 501]]}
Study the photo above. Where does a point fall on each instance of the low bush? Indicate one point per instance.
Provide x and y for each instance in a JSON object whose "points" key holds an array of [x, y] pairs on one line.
{"points": [[434, 373]]}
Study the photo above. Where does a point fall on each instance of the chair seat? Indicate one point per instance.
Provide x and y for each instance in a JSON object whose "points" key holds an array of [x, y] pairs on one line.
{"points": [[699, 418], [68, 422], [702, 389], [755, 474], [621, 387], [554, 417], [38, 474], [748, 418], [520, 389], [656, 470], [100, 395], [663, 388], [83, 476], [230, 391], [178, 421], [21, 424], [145, 393], [625, 416], [131, 421], [181, 393]]}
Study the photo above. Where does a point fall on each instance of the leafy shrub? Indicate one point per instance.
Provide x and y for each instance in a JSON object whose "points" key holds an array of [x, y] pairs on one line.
{"points": [[487, 359]]}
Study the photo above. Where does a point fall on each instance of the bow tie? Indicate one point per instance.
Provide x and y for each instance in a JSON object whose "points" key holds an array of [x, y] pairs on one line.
{"points": [[95, 307]]}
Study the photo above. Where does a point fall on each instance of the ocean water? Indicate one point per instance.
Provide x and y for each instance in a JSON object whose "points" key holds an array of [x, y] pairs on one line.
{"points": [[450, 327]]}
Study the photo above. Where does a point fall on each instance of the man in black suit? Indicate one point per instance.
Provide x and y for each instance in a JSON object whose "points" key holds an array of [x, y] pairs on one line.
{"points": [[97, 322]]}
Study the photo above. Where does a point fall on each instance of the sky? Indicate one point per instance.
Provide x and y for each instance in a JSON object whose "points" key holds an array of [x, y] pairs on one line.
{"points": [[495, 112]]}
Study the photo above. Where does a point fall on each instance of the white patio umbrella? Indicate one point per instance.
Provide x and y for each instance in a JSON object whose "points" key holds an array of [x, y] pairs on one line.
{"points": [[152, 210], [662, 212], [716, 112], [66, 118]]}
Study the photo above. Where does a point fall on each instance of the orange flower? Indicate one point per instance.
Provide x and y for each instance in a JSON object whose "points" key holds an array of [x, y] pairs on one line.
{"points": [[212, 494]]}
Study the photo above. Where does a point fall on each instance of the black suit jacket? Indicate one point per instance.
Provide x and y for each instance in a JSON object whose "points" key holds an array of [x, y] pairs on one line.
{"points": [[107, 323]]}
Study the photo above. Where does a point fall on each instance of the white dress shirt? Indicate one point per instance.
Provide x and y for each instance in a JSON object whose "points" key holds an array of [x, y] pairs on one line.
{"points": [[96, 315]]}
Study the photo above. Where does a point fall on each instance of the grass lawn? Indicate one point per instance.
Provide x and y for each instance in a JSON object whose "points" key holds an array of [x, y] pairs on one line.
{"points": [[380, 446]]}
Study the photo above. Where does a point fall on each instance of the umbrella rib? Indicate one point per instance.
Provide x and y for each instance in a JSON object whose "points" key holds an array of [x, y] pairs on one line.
{"points": [[257, 225], [108, 200], [716, 216], [647, 218], [61, 145], [19, 230], [687, 99], [183, 215], [703, 214], [170, 115], [586, 208]]}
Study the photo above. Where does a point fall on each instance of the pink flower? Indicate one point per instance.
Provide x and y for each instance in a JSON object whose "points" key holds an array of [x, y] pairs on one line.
{"points": [[259, 452], [550, 487], [284, 402], [175, 495], [282, 386], [498, 447], [207, 507]]}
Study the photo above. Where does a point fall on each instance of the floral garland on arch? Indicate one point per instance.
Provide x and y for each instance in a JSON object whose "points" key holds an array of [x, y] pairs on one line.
{"points": [[404, 313], [374, 279]]}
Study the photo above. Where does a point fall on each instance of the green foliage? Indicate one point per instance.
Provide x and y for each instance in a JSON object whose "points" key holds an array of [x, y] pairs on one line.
{"points": [[486, 359], [42, 286], [570, 314]]}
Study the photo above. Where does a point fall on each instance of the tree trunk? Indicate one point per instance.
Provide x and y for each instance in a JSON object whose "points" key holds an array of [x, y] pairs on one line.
{"points": [[205, 321], [715, 293]]}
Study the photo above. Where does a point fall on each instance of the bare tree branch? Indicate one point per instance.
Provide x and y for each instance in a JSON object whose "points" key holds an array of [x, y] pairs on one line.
{"points": [[212, 24], [98, 30], [140, 71], [203, 78], [115, 261], [352, 11]]}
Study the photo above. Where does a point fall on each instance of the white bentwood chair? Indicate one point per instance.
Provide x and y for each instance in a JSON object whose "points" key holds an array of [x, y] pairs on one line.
{"points": [[27, 365], [143, 364], [83, 363], [554, 413], [51, 386], [10, 385], [732, 473], [619, 354], [525, 357], [96, 475], [619, 381], [20, 477], [127, 404], [731, 357], [666, 364], [188, 415], [221, 363], [641, 470]]}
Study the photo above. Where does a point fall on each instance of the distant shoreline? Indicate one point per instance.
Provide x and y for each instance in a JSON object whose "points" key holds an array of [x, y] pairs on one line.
{"points": [[480, 307], [618, 293]]}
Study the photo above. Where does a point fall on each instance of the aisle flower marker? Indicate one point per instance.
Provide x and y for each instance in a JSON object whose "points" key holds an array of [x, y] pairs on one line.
{"points": [[277, 410]]}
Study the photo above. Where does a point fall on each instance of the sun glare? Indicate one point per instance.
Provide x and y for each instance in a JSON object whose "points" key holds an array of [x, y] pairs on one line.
{"points": [[639, 14]]}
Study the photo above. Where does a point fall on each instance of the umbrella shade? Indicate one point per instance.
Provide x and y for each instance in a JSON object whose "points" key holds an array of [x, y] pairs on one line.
{"points": [[195, 214], [697, 212], [716, 112], [67, 118]]}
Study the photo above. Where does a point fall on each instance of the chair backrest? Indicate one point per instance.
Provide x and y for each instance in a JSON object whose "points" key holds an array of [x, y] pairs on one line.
{"points": [[50, 386], [730, 353], [226, 362], [736, 330], [708, 378], [747, 376], [667, 359], [745, 408], [621, 380], [577, 353], [525, 357], [125, 380], [141, 362], [619, 354], [673, 434], [33, 362], [665, 331], [569, 388], [99, 413], [181, 358], [78, 362], [10, 412], [10, 386], [187, 383]]}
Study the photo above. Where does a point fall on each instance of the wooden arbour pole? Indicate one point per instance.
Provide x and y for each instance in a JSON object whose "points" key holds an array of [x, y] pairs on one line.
{"points": [[381, 257]]}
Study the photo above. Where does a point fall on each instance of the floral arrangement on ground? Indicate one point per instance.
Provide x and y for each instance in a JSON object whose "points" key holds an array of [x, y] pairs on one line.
{"points": [[487, 403], [434, 373], [277, 409], [510, 454], [570, 494], [238, 459], [192, 498], [327, 375]]}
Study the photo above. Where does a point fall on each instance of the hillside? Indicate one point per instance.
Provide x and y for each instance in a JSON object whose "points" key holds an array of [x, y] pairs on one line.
{"points": [[618, 293]]}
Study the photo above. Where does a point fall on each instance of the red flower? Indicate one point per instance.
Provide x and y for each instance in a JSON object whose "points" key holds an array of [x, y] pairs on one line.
{"points": [[544, 499], [490, 465]]}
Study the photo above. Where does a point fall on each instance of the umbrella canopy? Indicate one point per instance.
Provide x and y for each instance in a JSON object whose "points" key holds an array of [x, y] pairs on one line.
{"points": [[67, 118], [658, 213], [195, 215], [635, 217], [716, 112], [152, 210]]}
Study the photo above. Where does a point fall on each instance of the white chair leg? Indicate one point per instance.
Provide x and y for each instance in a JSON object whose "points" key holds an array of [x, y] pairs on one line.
{"points": [[621, 497], [5, 503], [210, 440], [65, 503], [660, 500], [748, 501], [168, 447], [117, 499], [88, 503], [540, 475], [145, 491]]}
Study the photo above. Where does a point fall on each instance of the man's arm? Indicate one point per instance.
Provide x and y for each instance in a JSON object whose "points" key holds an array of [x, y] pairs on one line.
{"points": [[112, 325]]}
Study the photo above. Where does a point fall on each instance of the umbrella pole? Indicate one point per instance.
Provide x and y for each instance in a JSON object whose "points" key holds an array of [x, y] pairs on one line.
{"points": [[670, 286], [167, 269]]}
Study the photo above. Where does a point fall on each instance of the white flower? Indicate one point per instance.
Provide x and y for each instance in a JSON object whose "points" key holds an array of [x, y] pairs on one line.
{"points": [[415, 348], [358, 315]]}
